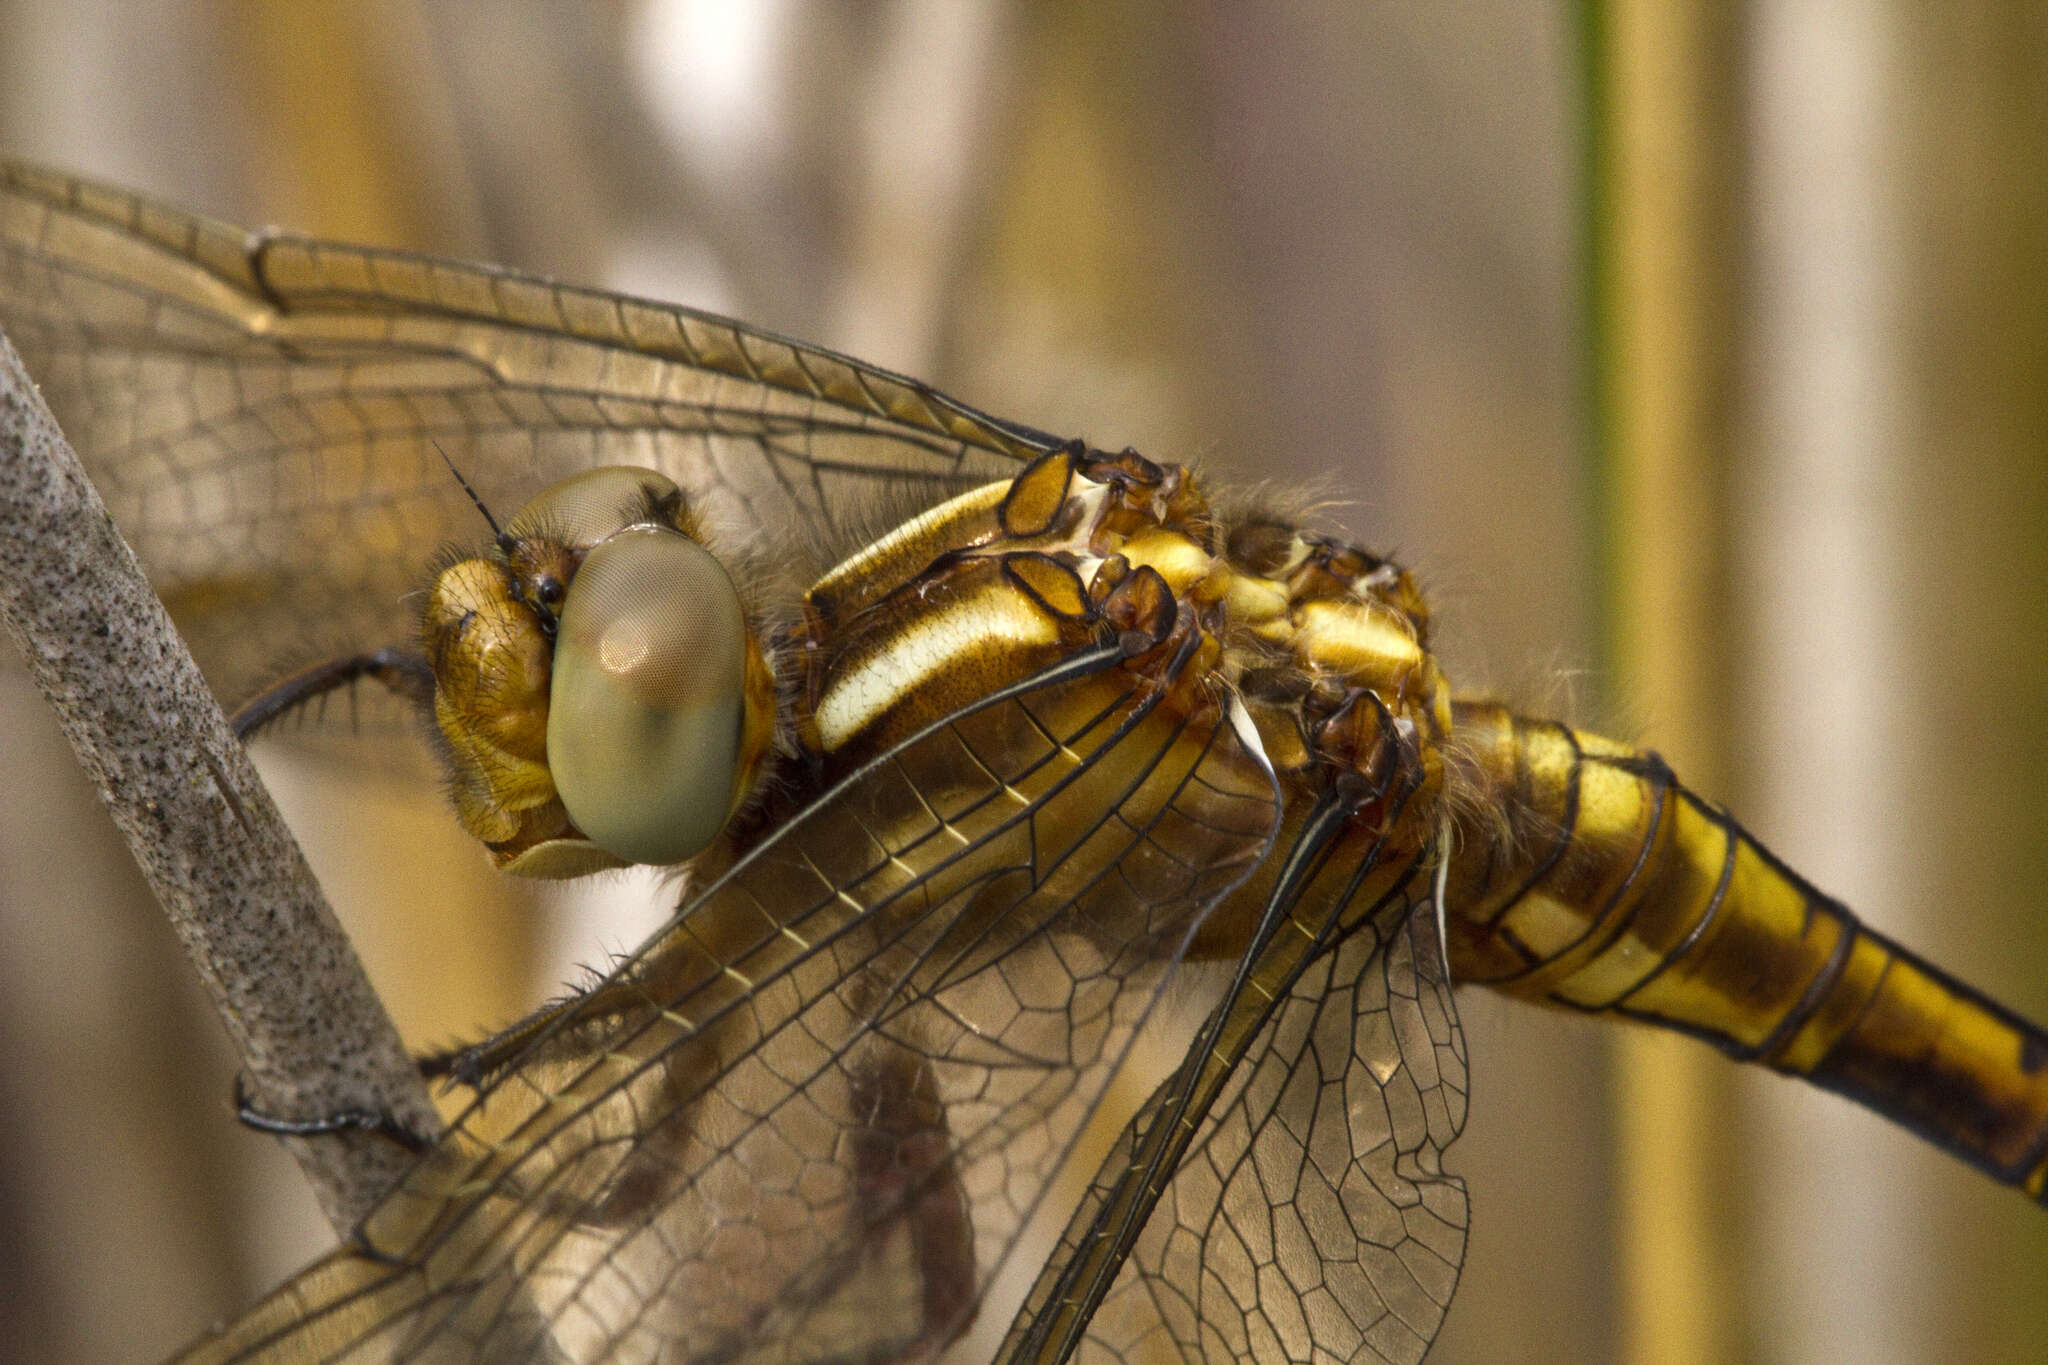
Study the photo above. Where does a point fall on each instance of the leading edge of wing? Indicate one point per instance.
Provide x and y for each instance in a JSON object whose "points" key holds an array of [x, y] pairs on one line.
{"points": [[260, 282]]}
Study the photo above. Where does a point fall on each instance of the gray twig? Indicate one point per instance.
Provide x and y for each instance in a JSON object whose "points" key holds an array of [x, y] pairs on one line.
{"points": [[311, 1032]]}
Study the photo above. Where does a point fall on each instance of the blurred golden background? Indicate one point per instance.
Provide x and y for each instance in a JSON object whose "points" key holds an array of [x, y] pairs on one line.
{"points": [[1696, 356]]}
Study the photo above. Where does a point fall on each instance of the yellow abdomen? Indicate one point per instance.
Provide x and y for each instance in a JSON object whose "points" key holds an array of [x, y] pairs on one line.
{"points": [[1587, 876]]}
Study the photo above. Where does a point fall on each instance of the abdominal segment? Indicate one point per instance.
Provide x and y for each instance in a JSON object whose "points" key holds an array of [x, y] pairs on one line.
{"points": [[1587, 876]]}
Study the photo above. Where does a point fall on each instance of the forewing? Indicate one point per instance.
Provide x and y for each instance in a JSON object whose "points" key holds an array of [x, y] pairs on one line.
{"points": [[1313, 1219], [810, 1119], [266, 416]]}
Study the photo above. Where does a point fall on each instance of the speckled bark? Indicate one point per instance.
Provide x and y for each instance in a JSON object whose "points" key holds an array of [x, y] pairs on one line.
{"points": [[101, 648]]}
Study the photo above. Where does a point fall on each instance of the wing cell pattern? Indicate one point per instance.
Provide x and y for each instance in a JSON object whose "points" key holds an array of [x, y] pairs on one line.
{"points": [[810, 1119], [1313, 1220], [267, 417]]}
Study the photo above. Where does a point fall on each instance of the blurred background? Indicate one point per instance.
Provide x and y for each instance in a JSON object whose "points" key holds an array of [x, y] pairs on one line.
{"points": [[1695, 355]]}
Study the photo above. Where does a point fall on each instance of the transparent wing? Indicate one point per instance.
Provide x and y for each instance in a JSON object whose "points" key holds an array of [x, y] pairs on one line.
{"points": [[1281, 1197], [809, 1120], [1313, 1219], [266, 415]]}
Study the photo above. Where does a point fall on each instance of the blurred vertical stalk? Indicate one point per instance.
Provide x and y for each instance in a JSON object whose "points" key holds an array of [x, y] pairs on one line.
{"points": [[1818, 488], [1660, 154], [351, 137], [1893, 507]]}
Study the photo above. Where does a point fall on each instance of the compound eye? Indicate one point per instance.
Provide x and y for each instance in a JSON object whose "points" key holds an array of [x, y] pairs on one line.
{"points": [[584, 508], [648, 696]]}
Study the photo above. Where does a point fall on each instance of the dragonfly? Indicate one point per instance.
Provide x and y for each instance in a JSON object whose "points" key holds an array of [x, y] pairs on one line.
{"points": [[992, 759]]}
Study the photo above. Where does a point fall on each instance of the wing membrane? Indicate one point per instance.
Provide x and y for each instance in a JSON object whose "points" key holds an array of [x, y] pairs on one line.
{"points": [[809, 1120], [1312, 1219], [266, 415], [1281, 1195]]}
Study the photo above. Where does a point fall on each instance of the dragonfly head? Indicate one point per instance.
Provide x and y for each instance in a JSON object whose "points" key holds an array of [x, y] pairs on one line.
{"points": [[602, 696]]}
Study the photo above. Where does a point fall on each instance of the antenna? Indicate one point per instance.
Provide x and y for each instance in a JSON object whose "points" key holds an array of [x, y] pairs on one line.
{"points": [[489, 520]]}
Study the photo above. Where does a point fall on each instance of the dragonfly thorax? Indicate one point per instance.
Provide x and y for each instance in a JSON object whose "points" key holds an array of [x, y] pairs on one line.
{"points": [[1324, 644]]}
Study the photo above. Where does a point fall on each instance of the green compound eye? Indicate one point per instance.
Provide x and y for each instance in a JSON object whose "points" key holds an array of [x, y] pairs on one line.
{"points": [[583, 509], [648, 696]]}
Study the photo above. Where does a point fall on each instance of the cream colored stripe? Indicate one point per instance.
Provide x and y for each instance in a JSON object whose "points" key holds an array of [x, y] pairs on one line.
{"points": [[926, 648]]}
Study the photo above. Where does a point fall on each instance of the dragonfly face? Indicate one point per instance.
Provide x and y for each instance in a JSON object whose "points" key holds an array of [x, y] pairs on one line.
{"points": [[975, 793], [601, 698]]}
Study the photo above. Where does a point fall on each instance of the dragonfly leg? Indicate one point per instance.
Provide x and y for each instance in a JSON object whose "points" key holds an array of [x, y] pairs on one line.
{"points": [[406, 673], [905, 1174], [327, 1125]]}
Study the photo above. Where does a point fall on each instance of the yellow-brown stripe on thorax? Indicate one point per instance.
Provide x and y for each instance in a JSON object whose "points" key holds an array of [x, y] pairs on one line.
{"points": [[1323, 645]]}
